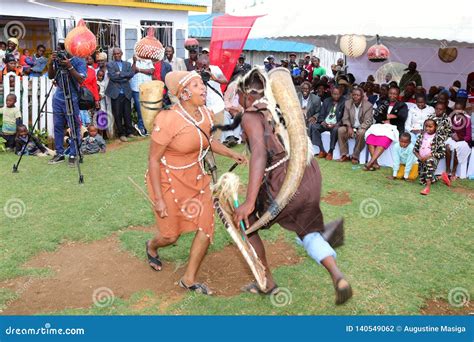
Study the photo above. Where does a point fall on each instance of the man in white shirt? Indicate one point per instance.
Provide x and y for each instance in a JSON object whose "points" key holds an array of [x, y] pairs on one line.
{"points": [[213, 77], [143, 69], [177, 64]]}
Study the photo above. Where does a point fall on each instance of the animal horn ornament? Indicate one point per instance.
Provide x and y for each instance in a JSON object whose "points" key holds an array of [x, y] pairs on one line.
{"points": [[285, 96]]}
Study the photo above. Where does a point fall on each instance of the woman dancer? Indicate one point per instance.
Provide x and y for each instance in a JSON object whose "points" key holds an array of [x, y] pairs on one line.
{"points": [[177, 182]]}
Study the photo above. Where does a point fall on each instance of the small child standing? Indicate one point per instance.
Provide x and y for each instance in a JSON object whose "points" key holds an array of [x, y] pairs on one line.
{"points": [[11, 119], [429, 149], [101, 86], [34, 146], [404, 160], [93, 143]]}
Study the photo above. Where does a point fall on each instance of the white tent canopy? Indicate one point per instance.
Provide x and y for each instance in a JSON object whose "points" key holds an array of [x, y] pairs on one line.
{"points": [[402, 23]]}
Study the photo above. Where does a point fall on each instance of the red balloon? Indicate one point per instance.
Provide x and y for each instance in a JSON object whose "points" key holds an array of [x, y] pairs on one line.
{"points": [[149, 47], [80, 41]]}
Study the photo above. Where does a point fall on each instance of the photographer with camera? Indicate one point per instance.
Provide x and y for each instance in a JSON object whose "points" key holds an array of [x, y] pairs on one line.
{"points": [[76, 73], [213, 77]]}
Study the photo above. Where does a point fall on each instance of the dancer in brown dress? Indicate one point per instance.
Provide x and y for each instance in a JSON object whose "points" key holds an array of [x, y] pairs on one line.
{"points": [[268, 165], [177, 182]]}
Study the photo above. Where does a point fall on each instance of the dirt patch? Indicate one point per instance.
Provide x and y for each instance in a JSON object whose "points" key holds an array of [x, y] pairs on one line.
{"points": [[443, 308], [337, 198], [116, 144], [465, 191], [102, 267]]}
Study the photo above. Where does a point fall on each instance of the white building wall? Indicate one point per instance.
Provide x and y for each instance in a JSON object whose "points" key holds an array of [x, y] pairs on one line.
{"points": [[128, 17]]}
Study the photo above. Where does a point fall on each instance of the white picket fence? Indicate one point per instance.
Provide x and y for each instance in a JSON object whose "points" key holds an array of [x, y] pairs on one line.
{"points": [[30, 94]]}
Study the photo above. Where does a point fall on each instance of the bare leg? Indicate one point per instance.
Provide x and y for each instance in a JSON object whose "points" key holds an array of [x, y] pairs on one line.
{"points": [[341, 285], [157, 242], [196, 255], [455, 166], [257, 244], [448, 159], [377, 152]]}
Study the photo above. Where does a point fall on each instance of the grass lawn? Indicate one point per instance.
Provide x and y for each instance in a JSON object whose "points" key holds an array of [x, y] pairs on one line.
{"points": [[408, 250]]}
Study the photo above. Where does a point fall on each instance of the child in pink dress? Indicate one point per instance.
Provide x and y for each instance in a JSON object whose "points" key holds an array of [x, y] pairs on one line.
{"points": [[429, 149]]}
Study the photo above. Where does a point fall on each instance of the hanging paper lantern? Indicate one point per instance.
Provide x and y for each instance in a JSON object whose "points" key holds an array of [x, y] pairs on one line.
{"points": [[448, 55], [191, 44], [378, 52], [149, 47], [80, 41], [353, 45]]}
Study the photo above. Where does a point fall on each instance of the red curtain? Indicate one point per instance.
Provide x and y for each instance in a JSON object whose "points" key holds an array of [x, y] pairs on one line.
{"points": [[229, 34]]}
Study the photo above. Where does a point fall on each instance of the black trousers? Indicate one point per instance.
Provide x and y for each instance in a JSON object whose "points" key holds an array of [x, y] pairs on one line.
{"points": [[122, 111], [10, 139], [316, 130]]}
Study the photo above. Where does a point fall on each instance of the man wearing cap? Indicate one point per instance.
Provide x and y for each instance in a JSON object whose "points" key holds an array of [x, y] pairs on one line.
{"points": [[177, 64], [205, 51], [412, 75], [270, 64], [462, 96], [241, 68], [12, 48], [292, 64]]}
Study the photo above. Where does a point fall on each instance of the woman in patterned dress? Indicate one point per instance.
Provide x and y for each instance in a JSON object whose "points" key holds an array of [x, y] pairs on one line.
{"points": [[177, 182]]}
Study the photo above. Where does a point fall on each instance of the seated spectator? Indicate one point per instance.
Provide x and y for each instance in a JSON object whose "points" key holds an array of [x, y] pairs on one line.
{"points": [[458, 144], [417, 116], [344, 87], [310, 103], [329, 120], [322, 90], [388, 77], [432, 96], [408, 95], [28, 144], [383, 96], [404, 160], [38, 61], [390, 120], [358, 117], [443, 97], [443, 123], [369, 92], [462, 96], [93, 143], [11, 119], [429, 149]]}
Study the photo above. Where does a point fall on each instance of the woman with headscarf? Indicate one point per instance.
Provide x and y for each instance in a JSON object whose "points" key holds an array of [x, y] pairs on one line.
{"points": [[177, 182]]}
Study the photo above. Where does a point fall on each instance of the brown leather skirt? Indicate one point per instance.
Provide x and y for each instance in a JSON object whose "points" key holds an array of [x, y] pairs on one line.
{"points": [[303, 214]]}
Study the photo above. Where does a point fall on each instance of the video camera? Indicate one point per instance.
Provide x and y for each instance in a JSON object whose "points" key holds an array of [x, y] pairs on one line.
{"points": [[61, 53]]}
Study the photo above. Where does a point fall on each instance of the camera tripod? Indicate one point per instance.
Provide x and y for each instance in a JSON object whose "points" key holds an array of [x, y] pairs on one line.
{"points": [[62, 76]]}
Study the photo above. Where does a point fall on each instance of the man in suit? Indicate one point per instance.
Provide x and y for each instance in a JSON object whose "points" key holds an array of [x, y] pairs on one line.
{"points": [[358, 117], [328, 120], [310, 103], [120, 72]]}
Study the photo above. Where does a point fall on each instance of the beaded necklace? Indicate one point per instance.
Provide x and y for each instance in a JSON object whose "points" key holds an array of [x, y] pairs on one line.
{"points": [[202, 152]]}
